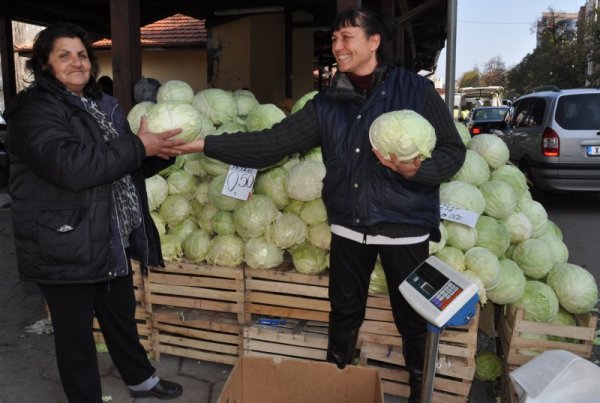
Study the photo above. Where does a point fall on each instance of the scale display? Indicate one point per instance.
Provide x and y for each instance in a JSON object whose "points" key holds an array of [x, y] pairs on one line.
{"points": [[437, 291]]}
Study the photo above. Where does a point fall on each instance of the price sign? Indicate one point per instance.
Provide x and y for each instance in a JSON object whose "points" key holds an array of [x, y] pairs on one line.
{"points": [[239, 182], [462, 216]]}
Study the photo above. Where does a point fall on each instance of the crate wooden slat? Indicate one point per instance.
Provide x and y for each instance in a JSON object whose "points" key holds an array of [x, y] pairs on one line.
{"points": [[197, 286], [511, 323], [192, 333], [285, 293], [381, 348], [295, 338]]}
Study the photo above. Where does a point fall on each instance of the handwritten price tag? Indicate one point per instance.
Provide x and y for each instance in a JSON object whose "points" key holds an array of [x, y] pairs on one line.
{"points": [[458, 215], [239, 182]]}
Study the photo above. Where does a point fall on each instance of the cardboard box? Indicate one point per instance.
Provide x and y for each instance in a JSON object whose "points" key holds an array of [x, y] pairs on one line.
{"points": [[269, 380]]}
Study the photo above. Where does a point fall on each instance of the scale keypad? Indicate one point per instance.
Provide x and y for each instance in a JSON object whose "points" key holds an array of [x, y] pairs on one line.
{"points": [[445, 295]]}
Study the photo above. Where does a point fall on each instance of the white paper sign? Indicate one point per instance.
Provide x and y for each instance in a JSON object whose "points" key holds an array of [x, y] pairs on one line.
{"points": [[458, 215], [239, 182]]}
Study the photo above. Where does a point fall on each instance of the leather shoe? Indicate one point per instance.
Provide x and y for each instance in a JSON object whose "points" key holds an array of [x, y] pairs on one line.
{"points": [[163, 390]]}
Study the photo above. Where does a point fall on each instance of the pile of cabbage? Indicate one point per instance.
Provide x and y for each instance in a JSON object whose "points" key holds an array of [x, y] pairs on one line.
{"points": [[284, 219]]}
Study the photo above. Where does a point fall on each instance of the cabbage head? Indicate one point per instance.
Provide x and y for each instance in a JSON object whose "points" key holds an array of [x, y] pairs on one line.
{"points": [[460, 236], [313, 154], [175, 209], [216, 104], [378, 282], [553, 229], [219, 200], [512, 176], [175, 90], [271, 183], [226, 250], [184, 228], [518, 226], [319, 235], [222, 223], [574, 286], [491, 148], [246, 102], [212, 166], [485, 265], [539, 302], [500, 199], [435, 247], [566, 319], [289, 230], [170, 245], [313, 212], [534, 257], [404, 133], [558, 248], [481, 291], [170, 115], [259, 253], [264, 117], [463, 132], [196, 245], [205, 217], [454, 257], [492, 235], [304, 180], [157, 190], [488, 366], [294, 207], [299, 104], [201, 193], [309, 259], [159, 223], [253, 217], [181, 182], [511, 285], [175, 166], [134, 117], [462, 195], [474, 170], [538, 217]]}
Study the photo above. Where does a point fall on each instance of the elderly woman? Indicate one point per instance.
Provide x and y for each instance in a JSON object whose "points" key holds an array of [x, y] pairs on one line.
{"points": [[80, 211]]}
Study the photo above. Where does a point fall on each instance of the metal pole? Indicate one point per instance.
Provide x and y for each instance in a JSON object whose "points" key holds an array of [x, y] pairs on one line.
{"points": [[431, 352], [451, 54]]}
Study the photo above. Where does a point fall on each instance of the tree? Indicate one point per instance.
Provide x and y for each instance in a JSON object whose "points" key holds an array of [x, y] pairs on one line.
{"points": [[471, 78], [494, 72], [591, 48]]}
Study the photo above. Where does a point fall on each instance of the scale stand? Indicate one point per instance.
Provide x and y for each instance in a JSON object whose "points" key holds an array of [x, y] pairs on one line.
{"points": [[443, 297]]}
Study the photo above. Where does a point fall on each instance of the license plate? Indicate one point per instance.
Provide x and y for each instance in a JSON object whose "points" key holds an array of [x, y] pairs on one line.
{"points": [[593, 151]]}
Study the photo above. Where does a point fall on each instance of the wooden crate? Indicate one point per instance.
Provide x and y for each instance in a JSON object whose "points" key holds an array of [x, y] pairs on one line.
{"points": [[381, 348], [198, 334], [294, 338], [196, 286], [286, 293], [511, 323]]}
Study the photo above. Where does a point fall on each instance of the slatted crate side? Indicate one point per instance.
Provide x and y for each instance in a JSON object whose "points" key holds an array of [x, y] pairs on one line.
{"points": [[287, 294], [197, 286], [512, 323], [202, 335], [294, 338], [143, 327]]}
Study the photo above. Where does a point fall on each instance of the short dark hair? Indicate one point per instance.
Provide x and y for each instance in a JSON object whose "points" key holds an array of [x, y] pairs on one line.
{"points": [[371, 21], [43, 44]]}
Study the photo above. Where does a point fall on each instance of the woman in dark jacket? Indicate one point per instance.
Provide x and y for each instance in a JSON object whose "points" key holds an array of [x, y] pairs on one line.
{"points": [[80, 211], [375, 206]]}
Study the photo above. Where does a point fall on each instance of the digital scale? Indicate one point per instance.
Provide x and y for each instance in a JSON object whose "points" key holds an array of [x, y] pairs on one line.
{"points": [[443, 297]]}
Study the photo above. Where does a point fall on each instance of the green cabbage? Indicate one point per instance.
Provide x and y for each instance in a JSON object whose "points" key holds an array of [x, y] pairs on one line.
{"points": [[435, 247], [219, 200], [169, 115], [264, 117], [481, 291], [212, 166], [201, 193], [309, 259], [538, 217], [452, 256], [574, 286], [518, 226], [463, 132], [253, 217], [289, 230], [304, 180], [488, 366], [157, 190], [534, 257], [175, 166], [192, 164], [566, 319], [226, 250], [222, 223], [170, 245], [539, 302], [485, 265], [271, 183], [181, 182], [491, 148], [553, 229], [378, 282], [259, 253], [474, 170], [184, 228], [246, 102], [134, 117], [512, 176], [159, 223], [492, 235], [462, 195], [319, 235], [196, 245], [511, 285], [294, 207], [175, 209], [205, 217], [216, 104], [175, 90], [500, 199], [460, 236], [404, 133], [313, 212], [299, 104], [560, 252]]}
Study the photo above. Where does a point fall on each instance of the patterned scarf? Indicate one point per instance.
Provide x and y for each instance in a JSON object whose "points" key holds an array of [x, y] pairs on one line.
{"points": [[127, 201]]}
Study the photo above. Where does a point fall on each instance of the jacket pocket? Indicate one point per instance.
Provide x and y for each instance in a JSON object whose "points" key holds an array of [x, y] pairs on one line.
{"points": [[64, 236]]}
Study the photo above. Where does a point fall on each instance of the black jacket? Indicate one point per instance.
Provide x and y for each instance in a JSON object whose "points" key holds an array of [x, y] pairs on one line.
{"points": [[61, 177]]}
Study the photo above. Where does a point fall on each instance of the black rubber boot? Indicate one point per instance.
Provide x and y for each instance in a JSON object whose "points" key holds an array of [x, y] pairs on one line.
{"points": [[341, 346], [413, 348]]}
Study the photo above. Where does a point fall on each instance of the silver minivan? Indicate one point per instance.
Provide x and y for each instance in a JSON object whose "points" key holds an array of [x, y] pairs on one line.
{"points": [[553, 136]]}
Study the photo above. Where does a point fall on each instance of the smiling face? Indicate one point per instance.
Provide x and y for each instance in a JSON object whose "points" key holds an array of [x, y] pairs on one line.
{"points": [[70, 63], [354, 51]]}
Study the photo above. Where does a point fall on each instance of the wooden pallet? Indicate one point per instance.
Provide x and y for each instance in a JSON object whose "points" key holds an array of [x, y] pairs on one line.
{"points": [[196, 286], [511, 323], [198, 334], [294, 338], [286, 293], [381, 348]]}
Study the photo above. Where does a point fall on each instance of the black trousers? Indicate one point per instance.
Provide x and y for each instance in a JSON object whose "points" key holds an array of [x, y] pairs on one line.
{"points": [[350, 267], [72, 308]]}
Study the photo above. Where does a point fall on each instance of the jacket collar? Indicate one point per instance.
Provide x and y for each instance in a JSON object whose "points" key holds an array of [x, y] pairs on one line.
{"points": [[342, 88]]}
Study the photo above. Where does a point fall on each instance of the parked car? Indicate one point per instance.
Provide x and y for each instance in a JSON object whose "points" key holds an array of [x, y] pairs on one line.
{"points": [[485, 119], [553, 136]]}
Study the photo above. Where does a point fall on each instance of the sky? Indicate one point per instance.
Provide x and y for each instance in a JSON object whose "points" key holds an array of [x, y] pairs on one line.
{"points": [[490, 28]]}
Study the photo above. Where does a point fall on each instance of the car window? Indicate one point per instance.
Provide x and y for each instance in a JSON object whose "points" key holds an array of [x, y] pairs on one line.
{"points": [[536, 115], [578, 112], [522, 112]]}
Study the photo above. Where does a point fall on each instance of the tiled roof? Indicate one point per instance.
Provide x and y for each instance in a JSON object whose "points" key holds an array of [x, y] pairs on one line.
{"points": [[176, 31]]}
